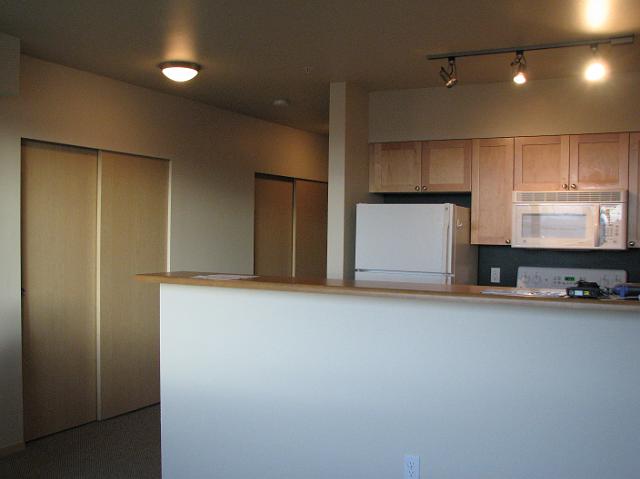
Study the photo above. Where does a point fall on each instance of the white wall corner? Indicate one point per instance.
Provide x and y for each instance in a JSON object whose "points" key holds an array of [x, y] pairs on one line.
{"points": [[10, 61]]}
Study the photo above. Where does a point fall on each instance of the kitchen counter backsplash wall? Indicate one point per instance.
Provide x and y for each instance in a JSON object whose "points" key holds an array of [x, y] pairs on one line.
{"points": [[508, 259]]}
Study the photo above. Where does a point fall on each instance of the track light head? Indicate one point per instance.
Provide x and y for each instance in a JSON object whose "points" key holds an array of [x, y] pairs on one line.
{"points": [[519, 65], [450, 77], [596, 70]]}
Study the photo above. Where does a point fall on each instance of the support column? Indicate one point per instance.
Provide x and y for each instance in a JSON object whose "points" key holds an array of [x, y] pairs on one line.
{"points": [[11, 429], [348, 174]]}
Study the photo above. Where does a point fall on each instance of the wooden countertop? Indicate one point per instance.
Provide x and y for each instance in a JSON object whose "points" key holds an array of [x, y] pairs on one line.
{"points": [[456, 293]]}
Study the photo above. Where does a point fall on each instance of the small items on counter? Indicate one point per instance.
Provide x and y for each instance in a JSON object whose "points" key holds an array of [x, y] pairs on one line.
{"points": [[627, 290], [586, 289]]}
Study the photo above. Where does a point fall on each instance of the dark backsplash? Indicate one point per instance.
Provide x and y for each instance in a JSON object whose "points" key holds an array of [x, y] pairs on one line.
{"points": [[508, 259]]}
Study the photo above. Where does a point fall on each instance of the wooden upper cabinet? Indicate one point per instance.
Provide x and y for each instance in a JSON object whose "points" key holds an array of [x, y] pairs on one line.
{"points": [[492, 185], [599, 161], [634, 191], [394, 167], [541, 163], [446, 165]]}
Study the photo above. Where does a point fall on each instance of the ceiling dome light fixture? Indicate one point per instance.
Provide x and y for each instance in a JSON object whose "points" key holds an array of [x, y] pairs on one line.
{"points": [[519, 65], [596, 70], [281, 102], [179, 71], [450, 78]]}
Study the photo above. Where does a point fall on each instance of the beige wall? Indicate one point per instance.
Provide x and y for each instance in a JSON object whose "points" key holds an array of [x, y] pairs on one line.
{"points": [[10, 61], [504, 109], [348, 174], [214, 155]]}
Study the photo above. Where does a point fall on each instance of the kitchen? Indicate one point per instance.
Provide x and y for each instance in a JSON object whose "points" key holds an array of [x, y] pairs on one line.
{"points": [[217, 168]]}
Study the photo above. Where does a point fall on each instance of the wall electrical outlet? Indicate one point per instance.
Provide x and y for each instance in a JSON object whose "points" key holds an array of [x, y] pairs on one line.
{"points": [[495, 275], [411, 467]]}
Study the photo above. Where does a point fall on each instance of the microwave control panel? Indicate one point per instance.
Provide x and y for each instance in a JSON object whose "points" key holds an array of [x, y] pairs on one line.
{"points": [[533, 277], [612, 226]]}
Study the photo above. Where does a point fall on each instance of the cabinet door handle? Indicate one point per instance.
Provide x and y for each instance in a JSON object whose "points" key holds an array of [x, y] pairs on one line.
{"points": [[424, 188], [565, 186], [508, 241], [573, 186], [417, 188], [632, 243]]}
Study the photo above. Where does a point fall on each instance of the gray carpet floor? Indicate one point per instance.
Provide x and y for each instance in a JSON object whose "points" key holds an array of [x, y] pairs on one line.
{"points": [[127, 446]]}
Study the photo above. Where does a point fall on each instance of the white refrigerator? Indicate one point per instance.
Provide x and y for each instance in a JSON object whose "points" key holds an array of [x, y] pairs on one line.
{"points": [[415, 243]]}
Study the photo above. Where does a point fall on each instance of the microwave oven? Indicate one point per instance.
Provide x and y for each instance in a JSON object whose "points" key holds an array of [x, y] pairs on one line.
{"points": [[569, 220]]}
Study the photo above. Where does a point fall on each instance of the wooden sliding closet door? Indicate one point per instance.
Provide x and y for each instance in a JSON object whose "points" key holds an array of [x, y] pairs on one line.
{"points": [[133, 239], [310, 229], [59, 187], [273, 227]]}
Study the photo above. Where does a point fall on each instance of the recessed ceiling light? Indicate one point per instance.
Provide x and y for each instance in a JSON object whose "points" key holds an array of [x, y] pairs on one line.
{"points": [[179, 71], [281, 102]]}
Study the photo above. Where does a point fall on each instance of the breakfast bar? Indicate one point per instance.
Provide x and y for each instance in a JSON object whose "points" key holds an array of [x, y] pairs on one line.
{"points": [[283, 378]]}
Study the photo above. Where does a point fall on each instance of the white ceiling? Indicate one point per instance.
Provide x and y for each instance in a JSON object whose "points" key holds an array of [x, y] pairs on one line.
{"points": [[255, 51]]}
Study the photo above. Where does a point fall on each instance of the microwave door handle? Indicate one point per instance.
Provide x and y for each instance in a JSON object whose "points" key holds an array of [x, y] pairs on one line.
{"points": [[602, 227], [597, 220]]}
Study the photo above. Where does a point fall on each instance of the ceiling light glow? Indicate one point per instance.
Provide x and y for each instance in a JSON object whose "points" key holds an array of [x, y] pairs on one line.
{"points": [[520, 78], [595, 71], [597, 13], [179, 71]]}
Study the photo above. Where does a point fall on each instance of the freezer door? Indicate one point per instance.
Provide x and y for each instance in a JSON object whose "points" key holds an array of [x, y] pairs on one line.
{"points": [[403, 237], [464, 255], [404, 277]]}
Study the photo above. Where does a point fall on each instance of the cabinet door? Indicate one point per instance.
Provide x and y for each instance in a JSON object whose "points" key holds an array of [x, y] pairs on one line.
{"points": [[133, 239], [394, 167], [599, 162], [634, 191], [446, 165], [541, 163], [492, 185], [59, 194]]}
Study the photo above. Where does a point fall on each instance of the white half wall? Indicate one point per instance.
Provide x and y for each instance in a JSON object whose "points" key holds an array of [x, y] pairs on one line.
{"points": [[544, 107], [274, 385], [214, 155]]}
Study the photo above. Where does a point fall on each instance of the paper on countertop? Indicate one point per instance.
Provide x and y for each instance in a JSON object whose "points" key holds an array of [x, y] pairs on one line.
{"points": [[528, 292], [226, 277]]}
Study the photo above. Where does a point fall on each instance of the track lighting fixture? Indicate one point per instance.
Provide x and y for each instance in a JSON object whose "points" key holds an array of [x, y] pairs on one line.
{"points": [[450, 77], [596, 70], [519, 65]]}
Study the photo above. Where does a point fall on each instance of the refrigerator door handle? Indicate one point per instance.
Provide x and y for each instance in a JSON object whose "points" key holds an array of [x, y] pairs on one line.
{"points": [[447, 242]]}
